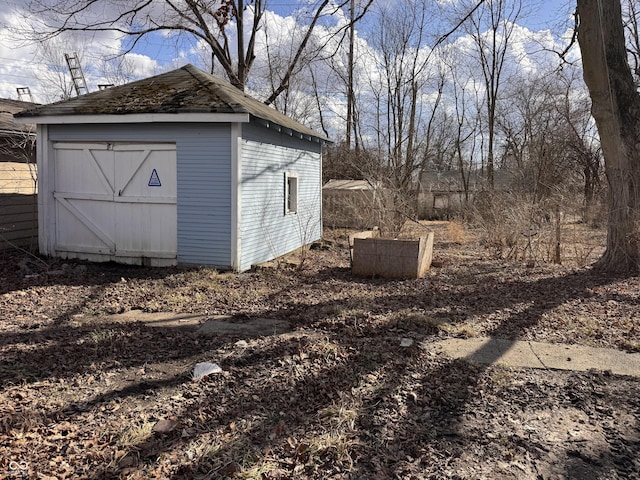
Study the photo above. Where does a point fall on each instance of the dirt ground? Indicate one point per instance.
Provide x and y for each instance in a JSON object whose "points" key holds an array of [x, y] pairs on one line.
{"points": [[93, 386]]}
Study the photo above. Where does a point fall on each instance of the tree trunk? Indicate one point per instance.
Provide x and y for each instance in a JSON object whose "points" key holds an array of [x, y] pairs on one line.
{"points": [[616, 109]]}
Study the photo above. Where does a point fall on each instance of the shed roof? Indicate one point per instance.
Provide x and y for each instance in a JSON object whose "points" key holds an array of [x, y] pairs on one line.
{"points": [[8, 108], [184, 90], [347, 185]]}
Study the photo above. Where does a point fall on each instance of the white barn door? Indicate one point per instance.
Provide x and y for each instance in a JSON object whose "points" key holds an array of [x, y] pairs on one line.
{"points": [[116, 201]]}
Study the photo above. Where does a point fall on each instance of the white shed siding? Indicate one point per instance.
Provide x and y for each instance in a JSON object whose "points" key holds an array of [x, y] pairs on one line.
{"points": [[267, 231], [203, 180], [106, 205]]}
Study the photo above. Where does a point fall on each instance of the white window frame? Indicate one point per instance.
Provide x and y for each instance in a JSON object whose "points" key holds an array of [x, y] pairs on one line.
{"points": [[291, 197]]}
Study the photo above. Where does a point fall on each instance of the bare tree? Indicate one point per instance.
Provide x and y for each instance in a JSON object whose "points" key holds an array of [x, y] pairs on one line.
{"points": [[55, 80], [491, 27], [631, 19], [616, 109], [580, 139], [229, 28], [534, 135], [19, 145], [465, 126], [406, 70], [117, 71]]}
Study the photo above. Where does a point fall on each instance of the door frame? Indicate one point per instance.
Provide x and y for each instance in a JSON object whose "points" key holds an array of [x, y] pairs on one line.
{"points": [[49, 199]]}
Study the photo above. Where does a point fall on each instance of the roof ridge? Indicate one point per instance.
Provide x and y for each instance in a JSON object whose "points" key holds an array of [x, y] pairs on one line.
{"points": [[187, 89], [209, 80]]}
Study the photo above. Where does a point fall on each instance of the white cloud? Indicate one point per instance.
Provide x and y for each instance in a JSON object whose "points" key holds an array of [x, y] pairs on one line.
{"points": [[44, 70], [277, 40]]}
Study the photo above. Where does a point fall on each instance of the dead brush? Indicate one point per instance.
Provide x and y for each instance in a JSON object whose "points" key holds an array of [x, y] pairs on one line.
{"points": [[136, 435], [257, 469], [502, 377], [415, 322], [341, 413], [214, 453], [334, 447], [513, 226], [583, 243], [456, 232], [325, 349], [106, 335], [331, 310], [19, 423]]}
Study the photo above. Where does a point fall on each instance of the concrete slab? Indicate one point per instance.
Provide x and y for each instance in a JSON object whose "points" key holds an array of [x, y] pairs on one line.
{"points": [[540, 355], [203, 324], [157, 319], [254, 327]]}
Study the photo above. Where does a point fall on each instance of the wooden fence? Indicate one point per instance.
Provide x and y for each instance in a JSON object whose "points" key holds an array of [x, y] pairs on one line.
{"points": [[18, 206]]}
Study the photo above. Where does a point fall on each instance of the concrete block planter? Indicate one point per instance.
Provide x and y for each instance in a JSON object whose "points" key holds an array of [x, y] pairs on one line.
{"points": [[392, 258]]}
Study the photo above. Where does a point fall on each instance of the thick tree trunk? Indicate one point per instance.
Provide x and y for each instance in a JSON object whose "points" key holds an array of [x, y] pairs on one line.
{"points": [[616, 109]]}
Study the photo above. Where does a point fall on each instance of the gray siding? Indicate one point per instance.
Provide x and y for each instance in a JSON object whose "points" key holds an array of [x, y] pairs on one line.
{"points": [[18, 221], [204, 180], [266, 230]]}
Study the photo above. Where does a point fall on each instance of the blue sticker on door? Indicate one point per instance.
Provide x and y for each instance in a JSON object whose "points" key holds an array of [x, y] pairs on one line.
{"points": [[154, 180]]}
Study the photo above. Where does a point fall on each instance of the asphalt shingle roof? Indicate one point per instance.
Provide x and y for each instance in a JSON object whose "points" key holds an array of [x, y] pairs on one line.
{"points": [[184, 90], [8, 108]]}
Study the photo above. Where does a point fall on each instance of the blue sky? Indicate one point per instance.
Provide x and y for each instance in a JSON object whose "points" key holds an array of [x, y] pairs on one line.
{"points": [[537, 15], [20, 66]]}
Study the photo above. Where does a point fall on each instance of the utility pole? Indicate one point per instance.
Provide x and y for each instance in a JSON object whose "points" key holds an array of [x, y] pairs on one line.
{"points": [[79, 82], [350, 94]]}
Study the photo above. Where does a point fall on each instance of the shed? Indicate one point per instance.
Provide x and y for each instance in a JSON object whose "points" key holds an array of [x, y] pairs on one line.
{"points": [[354, 203], [179, 168]]}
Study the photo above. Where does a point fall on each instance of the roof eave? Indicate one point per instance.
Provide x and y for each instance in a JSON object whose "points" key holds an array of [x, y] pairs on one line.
{"points": [[135, 118], [307, 134]]}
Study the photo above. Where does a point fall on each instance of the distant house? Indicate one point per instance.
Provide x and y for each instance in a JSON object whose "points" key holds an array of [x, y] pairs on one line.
{"points": [[442, 194], [16, 140], [180, 168], [18, 202]]}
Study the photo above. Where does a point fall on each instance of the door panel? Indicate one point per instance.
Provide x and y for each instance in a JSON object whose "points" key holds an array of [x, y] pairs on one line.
{"points": [[116, 199]]}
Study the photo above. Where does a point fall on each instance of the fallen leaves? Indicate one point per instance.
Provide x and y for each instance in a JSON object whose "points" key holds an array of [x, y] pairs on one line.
{"points": [[345, 394], [165, 426]]}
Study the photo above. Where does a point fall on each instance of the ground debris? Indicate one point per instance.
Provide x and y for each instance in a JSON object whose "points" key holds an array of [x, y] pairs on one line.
{"points": [[327, 386]]}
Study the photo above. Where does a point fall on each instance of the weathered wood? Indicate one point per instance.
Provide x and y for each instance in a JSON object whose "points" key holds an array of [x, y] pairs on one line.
{"points": [[17, 177], [18, 221], [391, 258]]}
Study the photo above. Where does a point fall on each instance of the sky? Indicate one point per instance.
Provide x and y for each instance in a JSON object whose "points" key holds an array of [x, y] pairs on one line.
{"points": [[46, 74]]}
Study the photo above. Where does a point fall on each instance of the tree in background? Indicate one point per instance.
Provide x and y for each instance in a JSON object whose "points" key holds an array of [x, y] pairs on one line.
{"points": [[631, 21], [230, 29], [491, 28], [580, 139]]}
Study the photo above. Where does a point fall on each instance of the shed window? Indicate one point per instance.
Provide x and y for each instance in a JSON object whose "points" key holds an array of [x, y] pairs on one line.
{"points": [[291, 193]]}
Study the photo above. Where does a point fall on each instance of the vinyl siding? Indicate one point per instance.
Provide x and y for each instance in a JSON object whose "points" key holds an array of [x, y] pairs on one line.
{"points": [[267, 231], [203, 180], [18, 206], [18, 221]]}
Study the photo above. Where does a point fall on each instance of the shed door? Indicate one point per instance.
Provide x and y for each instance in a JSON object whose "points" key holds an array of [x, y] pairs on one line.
{"points": [[116, 199]]}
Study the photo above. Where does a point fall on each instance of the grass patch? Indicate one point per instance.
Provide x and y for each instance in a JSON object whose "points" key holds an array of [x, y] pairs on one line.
{"points": [[136, 435], [106, 335], [502, 377], [456, 232], [416, 322], [340, 413]]}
